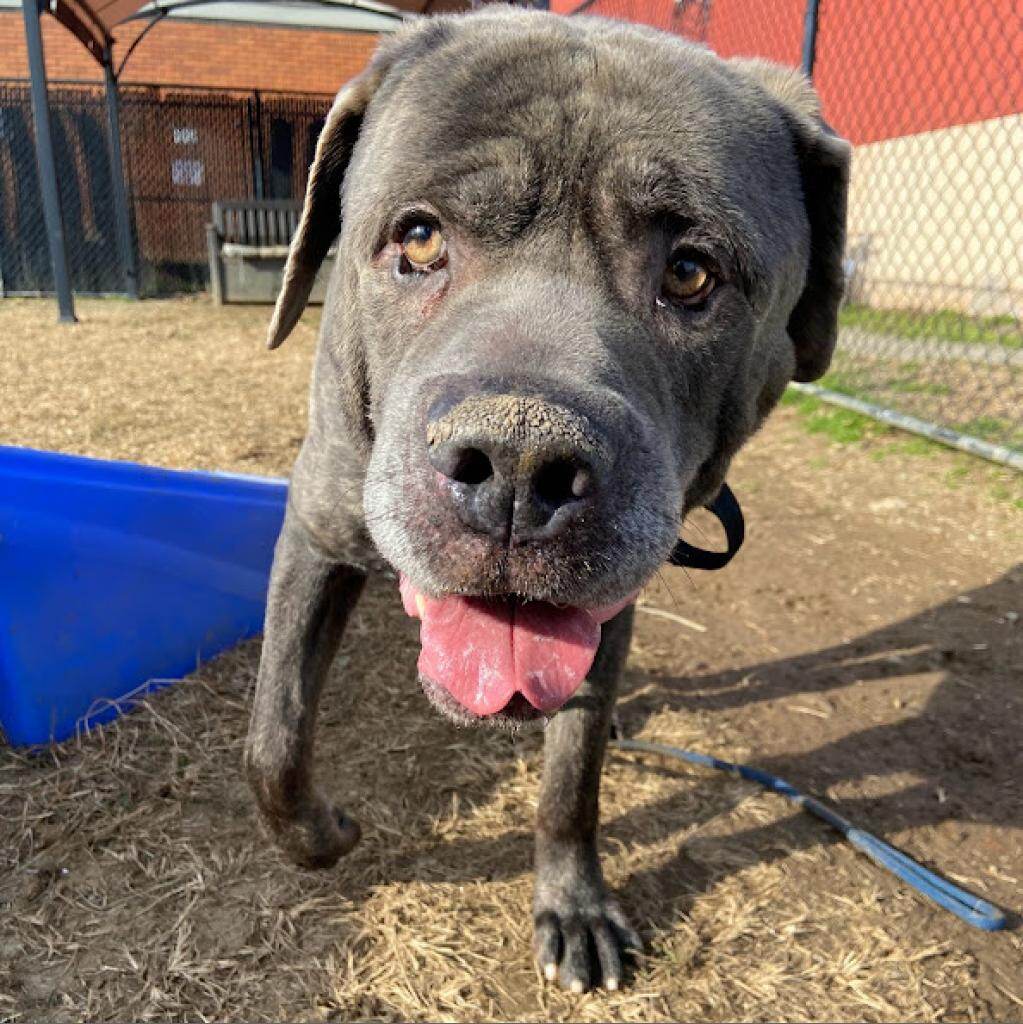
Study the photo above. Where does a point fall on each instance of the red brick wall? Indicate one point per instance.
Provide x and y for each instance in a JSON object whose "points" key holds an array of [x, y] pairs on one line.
{"points": [[193, 53]]}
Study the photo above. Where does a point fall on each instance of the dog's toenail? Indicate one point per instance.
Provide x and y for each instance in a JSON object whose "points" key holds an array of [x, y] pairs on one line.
{"points": [[578, 987], [550, 971]]}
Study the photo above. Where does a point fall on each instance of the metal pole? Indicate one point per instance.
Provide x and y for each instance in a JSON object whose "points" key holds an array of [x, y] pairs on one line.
{"points": [[254, 115], [810, 37], [122, 211], [47, 164]]}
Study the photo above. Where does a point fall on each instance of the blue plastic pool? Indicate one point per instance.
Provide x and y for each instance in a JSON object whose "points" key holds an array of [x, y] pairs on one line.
{"points": [[115, 576]]}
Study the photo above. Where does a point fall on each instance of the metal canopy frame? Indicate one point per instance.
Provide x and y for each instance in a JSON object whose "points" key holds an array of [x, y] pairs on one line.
{"points": [[85, 22], [47, 163], [92, 22]]}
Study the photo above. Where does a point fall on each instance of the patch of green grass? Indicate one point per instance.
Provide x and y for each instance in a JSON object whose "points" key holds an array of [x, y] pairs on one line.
{"points": [[1006, 485], [884, 391], [988, 428], [845, 382], [845, 427], [1002, 485], [911, 444], [842, 426], [957, 475], [908, 386], [1003, 492], [867, 384], [941, 324]]}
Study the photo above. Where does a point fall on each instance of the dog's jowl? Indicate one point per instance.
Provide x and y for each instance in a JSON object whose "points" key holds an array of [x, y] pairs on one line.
{"points": [[578, 262]]}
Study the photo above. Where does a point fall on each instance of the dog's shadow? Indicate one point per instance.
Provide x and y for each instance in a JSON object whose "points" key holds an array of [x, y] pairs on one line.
{"points": [[962, 748]]}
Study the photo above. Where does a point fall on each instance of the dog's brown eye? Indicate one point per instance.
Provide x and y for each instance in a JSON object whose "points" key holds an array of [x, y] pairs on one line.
{"points": [[422, 245], [687, 280]]}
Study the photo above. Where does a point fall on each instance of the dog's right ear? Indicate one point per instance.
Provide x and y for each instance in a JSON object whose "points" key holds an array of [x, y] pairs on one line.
{"points": [[321, 214], [824, 161]]}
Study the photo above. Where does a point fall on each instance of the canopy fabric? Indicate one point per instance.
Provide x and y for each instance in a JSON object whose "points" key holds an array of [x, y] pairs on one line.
{"points": [[341, 16], [93, 21]]}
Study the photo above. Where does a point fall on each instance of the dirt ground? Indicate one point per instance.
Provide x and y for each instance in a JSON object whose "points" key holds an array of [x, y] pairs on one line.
{"points": [[866, 645]]}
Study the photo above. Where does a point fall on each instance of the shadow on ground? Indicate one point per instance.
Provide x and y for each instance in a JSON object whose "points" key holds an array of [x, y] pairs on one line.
{"points": [[962, 745]]}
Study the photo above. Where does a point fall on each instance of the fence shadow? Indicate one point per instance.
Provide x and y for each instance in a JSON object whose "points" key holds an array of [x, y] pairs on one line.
{"points": [[962, 745], [964, 742]]}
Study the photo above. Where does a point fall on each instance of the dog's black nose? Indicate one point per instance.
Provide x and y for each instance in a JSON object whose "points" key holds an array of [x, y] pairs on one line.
{"points": [[515, 467]]}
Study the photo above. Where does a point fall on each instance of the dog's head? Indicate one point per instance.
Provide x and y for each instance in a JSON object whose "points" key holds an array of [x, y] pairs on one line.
{"points": [[579, 262]]}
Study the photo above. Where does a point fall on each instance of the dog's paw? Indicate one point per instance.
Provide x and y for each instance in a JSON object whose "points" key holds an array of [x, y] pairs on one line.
{"points": [[316, 839], [309, 830], [581, 937]]}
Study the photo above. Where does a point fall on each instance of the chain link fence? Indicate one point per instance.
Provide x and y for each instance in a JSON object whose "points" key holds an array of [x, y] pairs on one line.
{"points": [[931, 325], [182, 149], [81, 150], [931, 96]]}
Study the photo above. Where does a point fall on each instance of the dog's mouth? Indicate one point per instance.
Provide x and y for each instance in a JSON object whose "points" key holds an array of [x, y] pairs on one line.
{"points": [[499, 654]]}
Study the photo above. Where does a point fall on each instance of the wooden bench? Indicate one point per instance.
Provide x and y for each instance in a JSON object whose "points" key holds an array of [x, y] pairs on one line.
{"points": [[248, 242]]}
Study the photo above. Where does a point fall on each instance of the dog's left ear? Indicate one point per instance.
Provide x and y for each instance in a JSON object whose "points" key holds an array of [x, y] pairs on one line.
{"points": [[321, 214], [824, 160]]}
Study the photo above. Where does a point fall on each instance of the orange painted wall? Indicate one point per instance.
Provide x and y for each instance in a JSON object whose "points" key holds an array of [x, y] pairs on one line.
{"points": [[208, 54]]}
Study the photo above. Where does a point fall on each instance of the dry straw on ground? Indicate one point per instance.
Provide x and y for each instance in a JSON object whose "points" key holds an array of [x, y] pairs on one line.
{"points": [[863, 646]]}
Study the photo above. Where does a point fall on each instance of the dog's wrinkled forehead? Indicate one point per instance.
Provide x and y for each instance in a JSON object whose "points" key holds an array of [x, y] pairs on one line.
{"points": [[504, 133], [586, 149]]}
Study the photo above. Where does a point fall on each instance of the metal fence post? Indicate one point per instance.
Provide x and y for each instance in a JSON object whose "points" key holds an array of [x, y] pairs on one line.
{"points": [[122, 211], [47, 164], [254, 116], [810, 37]]}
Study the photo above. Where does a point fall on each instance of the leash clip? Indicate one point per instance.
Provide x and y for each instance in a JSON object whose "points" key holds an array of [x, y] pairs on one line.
{"points": [[728, 512]]}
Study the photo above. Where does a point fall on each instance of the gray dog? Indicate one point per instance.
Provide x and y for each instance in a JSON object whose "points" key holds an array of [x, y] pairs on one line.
{"points": [[578, 263]]}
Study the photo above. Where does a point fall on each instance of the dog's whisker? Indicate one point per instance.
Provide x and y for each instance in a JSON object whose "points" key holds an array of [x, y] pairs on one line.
{"points": [[667, 586], [688, 524]]}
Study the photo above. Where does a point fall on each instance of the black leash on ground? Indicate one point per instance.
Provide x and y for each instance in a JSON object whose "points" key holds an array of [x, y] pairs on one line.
{"points": [[969, 908]]}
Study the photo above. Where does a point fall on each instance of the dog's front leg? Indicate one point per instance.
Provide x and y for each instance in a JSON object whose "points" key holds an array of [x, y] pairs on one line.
{"points": [[311, 597], [580, 932]]}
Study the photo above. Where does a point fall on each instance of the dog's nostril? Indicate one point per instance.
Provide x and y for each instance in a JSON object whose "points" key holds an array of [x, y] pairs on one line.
{"points": [[561, 481], [463, 465], [472, 467]]}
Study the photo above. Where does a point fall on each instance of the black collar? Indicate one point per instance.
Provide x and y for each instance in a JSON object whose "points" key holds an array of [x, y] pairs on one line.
{"points": [[726, 507]]}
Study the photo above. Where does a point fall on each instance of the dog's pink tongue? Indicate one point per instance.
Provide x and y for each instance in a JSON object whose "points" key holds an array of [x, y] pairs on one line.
{"points": [[483, 652]]}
